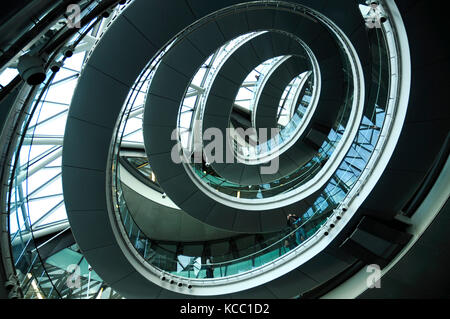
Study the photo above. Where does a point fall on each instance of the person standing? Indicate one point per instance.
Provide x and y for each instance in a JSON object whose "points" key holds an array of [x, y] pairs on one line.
{"points": [[294, 222], [209, 268]]}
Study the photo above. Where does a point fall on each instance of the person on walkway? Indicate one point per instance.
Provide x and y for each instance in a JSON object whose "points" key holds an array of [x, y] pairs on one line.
{"points": [[295, 222], [209, 268]]}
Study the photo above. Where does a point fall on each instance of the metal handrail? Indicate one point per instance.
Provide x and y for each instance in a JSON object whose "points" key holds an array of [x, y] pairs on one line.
{"points": [[355, 145]]}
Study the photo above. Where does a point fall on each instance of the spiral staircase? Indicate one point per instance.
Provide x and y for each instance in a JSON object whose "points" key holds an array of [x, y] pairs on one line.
{"points": [[202, 87]]}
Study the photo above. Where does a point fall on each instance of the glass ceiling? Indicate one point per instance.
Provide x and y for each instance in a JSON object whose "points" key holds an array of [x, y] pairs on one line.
{"points": [[7, 76], [36, 202], [38, 182], [37, 190]]}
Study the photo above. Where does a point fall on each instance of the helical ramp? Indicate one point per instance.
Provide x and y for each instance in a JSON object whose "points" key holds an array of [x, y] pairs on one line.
{"points": [[315, 62]]}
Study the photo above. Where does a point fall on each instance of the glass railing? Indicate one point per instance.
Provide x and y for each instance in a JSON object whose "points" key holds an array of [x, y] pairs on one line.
{"points": [[261, 74], [252, 257], [338, 187], [194, 110], [298, 96], [190, 114], [301, 175], [273, 144], [297, 178], [34, 195], [251, 152], [313, 220], [253, 83]]}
